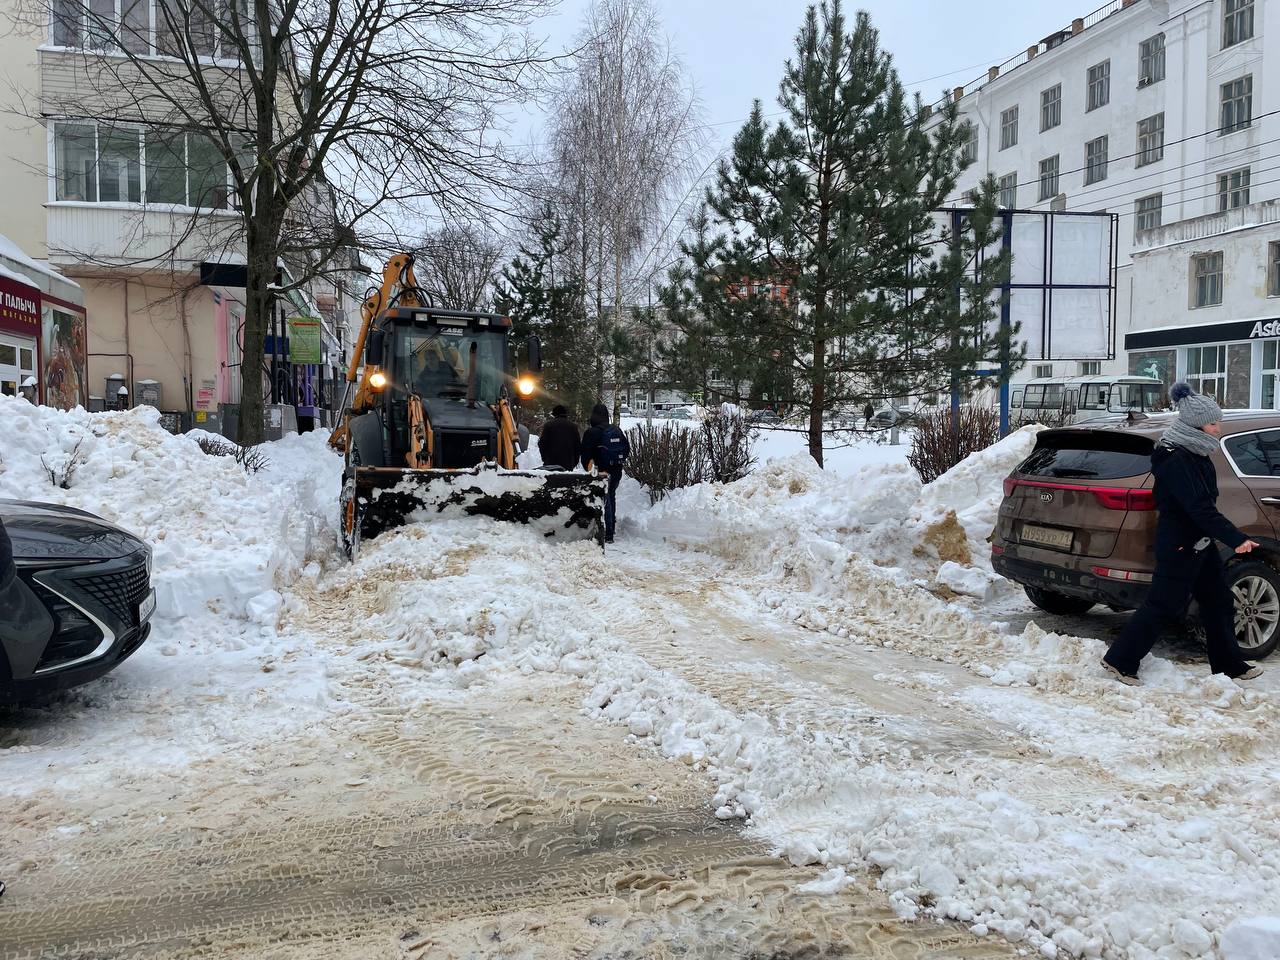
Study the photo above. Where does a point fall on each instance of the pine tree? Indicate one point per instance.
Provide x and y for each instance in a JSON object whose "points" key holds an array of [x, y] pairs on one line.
{"points": [[542, 294], [823, 274]]}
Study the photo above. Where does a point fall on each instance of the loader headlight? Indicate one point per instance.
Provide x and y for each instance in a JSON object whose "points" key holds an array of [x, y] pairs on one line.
{"points": [[377, 380], [526, 386]]}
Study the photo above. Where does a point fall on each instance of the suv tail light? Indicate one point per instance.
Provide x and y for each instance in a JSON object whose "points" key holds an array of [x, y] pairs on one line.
{"points": [[1113, 498]]}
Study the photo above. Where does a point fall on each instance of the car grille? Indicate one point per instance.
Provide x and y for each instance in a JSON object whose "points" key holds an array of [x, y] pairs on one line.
{"points": [[118, 592]]}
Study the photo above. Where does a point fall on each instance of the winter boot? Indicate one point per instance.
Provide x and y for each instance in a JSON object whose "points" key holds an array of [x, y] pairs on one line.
{"points": [[1127, 679]]}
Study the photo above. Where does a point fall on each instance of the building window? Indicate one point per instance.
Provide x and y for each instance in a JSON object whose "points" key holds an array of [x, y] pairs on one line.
{"points": [[969, 152], [1048, 177], [1095, 160], [145, 26], [1237, 22], [1146, 213], [1009, 191], [1150, 140], [1237, 105], [1099, 93], [1270, 372], [1233, 189], [97, 163], [1008, 128], [1050, 107], [1273, 269], [1151, 60], [1090, 368], [1207, 370], [1206, 277], [1042, 370]]}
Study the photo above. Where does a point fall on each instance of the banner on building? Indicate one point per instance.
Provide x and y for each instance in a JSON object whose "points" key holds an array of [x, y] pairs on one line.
{"points": [[304, 340]]}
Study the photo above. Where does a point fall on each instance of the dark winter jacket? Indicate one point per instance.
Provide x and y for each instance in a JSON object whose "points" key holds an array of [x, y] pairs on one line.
{"points": [[559, 443], [6, 558], [591, 439], [1186, 491]]}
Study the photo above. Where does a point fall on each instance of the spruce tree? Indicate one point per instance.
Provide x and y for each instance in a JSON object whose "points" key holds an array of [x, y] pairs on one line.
{"points": [[822, 272]]}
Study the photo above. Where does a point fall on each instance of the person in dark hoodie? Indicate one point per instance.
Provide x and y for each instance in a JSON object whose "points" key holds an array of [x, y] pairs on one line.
{"points": [[1187, 561], [605, 445], [560, 443]]}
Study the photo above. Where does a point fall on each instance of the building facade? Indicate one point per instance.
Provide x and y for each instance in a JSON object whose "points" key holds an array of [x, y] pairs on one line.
{"points": [[139, 217], [1157, 111]]}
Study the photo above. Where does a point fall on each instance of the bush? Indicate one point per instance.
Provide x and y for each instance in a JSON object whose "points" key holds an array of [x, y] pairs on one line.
{"points": [[935, 449], [665, 458], [252, 459], [728, 440]]}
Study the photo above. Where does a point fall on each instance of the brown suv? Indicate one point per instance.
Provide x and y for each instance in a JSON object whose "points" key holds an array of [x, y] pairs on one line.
{"points": [[1077, 524]]}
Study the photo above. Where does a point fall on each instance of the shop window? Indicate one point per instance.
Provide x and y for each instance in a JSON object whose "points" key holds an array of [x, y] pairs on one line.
{"points": [[1206, 278], [1270, 374], [1207, 370]]}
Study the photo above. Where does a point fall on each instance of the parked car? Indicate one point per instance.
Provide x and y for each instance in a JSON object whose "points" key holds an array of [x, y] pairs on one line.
{"points": [[899, 415], [763, 417], [75, 598], [679, 413], [1077, 524]]}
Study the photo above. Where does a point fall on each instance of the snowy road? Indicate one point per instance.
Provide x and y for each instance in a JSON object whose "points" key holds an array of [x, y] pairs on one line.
{"points": [[416, 818]]}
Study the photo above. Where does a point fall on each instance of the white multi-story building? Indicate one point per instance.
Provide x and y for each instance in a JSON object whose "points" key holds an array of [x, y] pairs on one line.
{"points": [[1163, 113]]}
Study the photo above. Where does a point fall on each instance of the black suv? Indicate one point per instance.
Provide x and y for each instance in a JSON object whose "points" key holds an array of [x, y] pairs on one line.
{"points": [[75, 597]]}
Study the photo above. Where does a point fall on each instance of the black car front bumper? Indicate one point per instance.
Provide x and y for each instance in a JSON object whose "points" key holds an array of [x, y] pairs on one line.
{"points": [[1117, 594], [44, 684]]}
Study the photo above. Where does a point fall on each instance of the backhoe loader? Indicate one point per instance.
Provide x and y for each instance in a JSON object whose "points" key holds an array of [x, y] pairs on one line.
{"points": [[431, 431]]}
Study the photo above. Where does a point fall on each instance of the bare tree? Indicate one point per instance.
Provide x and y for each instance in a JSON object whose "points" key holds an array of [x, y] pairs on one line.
{"points": [[319, 121], [624, 138], [459, 265]]}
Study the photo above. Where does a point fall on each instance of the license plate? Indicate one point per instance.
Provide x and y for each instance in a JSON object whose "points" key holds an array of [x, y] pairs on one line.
{"points": [[1047, 537], [147, 607]]}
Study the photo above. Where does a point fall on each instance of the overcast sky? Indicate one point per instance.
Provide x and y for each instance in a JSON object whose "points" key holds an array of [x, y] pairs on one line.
{"points": [[734, 49]]}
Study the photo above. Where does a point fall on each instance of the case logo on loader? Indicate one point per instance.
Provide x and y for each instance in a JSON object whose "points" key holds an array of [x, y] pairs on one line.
{"points": [[479, 443]]}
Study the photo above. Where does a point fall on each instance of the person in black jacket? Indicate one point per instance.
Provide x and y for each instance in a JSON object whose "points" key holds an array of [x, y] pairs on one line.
{"points": [[1187, 562], [559, 443], [600, 438]]}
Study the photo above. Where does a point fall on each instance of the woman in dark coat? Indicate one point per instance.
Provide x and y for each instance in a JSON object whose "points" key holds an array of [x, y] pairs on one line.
{"points": [[1187, 562]]}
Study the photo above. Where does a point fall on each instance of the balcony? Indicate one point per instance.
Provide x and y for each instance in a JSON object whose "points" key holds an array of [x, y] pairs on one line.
{"points": [[120, 235]]}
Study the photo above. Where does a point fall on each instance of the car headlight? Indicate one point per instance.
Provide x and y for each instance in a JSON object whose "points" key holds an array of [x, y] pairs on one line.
{"points": [[526, 386], [377, 380]]}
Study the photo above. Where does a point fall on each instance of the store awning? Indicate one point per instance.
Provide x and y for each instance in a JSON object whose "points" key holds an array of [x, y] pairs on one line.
{"points": [[1222, 331]]}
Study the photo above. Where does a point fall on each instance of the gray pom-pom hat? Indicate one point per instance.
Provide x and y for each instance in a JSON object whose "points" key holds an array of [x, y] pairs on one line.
{"points": [[1195, 409]]}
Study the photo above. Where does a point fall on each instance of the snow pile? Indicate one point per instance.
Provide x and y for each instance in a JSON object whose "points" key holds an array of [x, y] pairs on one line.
{"points": [[224, 539], [881, 512]]}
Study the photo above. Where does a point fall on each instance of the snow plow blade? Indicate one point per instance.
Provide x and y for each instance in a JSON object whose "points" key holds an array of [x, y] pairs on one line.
{"points": [[558, 504]]}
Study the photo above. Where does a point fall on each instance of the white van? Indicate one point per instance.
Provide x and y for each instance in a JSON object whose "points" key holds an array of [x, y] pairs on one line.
{"points": [[1073, 399]]}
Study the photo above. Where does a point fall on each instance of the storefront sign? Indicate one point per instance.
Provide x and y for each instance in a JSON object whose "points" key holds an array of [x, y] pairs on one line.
{"points": [[1228, 332], [304, 340], [19, 307]]}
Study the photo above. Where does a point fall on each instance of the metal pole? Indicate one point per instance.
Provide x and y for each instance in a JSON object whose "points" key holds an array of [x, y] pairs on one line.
{"points": [[955, 343], [1006, 322]]}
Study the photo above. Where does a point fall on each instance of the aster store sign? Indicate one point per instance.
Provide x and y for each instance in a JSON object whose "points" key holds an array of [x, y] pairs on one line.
{"points": [[19, 307]]}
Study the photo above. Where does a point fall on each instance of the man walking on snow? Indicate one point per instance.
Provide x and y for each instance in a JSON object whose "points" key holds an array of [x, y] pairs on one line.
{"points": [[559, 443], [605, 445], [1187, 561]]}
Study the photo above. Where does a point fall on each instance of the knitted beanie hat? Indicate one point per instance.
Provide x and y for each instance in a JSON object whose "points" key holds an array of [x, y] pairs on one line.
{"points": [[1195, 409]]}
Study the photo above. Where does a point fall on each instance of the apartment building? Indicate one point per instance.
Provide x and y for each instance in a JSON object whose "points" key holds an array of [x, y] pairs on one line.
{"points": [[1159, 111], [139, 215]]}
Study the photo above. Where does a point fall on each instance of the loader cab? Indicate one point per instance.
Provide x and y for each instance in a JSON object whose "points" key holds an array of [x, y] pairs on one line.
{"points": [[458, 364]]}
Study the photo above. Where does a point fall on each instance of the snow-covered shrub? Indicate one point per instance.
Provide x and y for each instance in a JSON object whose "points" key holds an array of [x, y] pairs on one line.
{"points": [[251, 458], [729, 440], [665, 458], [936, 447]]}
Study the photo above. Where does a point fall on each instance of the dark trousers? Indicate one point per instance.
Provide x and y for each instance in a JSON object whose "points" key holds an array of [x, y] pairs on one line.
{"points": [[1179, 577], [611, 502]]}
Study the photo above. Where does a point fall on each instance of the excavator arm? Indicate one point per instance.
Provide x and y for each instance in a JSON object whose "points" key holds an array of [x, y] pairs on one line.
{"points": [[398, 283]]}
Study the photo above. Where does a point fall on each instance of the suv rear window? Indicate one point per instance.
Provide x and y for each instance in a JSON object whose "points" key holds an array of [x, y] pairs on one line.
{"points": [[1088, 455]]}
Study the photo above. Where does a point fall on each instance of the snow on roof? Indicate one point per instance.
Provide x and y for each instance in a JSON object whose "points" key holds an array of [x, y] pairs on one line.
{"points": [[13, 252], [19, 277]]}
